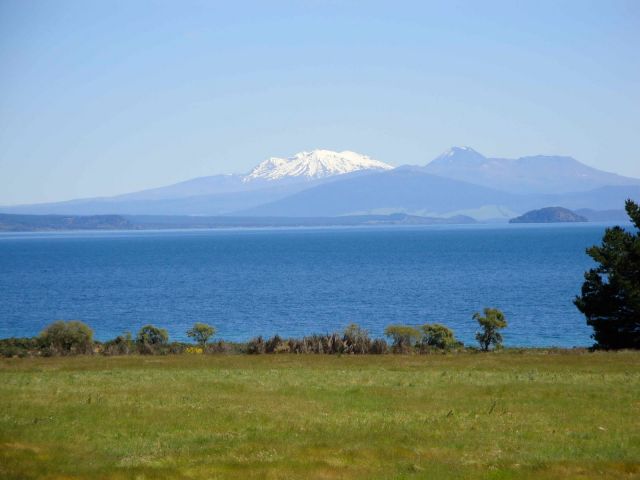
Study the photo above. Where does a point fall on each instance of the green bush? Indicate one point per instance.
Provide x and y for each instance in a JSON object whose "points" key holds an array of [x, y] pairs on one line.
{"points": [[121, 345], [404, 337], [176, 348], [19, 347], [152, 340], [222, 346], [276, 345], [67, 338], [201, 333], [315, 343], [492, 321], [438, 337], [379, 346], [256, 346], [355, 340]]}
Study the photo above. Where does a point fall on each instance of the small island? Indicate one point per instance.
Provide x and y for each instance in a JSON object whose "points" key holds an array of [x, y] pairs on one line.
{"points": [[549, 215]]}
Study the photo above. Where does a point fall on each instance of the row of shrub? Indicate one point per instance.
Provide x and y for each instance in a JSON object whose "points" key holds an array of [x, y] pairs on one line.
{"points": [[76, 338]]}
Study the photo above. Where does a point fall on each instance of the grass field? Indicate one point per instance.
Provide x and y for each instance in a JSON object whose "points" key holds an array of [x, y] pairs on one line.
{"points": [[503, 415]]}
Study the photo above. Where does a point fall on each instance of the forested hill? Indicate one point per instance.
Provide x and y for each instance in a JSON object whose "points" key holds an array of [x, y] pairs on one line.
{"points": [[21, 223], [549, 215]]}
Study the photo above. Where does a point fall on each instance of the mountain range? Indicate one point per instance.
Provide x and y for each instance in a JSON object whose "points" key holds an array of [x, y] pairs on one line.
{"points": [[323, 183], [533, 174]]}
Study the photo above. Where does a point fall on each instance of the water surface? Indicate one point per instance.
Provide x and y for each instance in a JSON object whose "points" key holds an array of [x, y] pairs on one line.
{"points": [[300, 281]]}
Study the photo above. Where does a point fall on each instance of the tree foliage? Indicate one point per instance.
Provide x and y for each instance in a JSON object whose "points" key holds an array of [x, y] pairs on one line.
{"points": [[490, 324], [610, 297], [439, 337], [403, 337], [201, 333], [65, 338], [152, 339]]}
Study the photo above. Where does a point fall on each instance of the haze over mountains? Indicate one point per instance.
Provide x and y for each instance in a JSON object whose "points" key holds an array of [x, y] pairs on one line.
{"points": [[323, 183]]}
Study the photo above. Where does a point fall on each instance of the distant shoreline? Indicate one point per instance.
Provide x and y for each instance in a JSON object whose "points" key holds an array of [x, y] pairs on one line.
{"points": [[11, 223], [18, 223]]}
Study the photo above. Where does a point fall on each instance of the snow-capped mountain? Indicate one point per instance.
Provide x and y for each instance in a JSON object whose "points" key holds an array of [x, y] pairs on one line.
{"points": [[326, 183], [314, 165]]}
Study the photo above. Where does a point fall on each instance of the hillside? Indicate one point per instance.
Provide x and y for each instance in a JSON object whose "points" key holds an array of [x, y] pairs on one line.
{"points": [[399, 190], [549, 215], [410, 190]]}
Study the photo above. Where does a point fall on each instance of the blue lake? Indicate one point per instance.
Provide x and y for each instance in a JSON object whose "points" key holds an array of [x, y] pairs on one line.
{"points": [[300, 281]]}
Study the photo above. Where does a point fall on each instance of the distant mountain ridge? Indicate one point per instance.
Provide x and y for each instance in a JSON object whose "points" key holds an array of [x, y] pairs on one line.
{"points": [[224, 194], [324, 183], [413, 191], [275, 172], [399, 190], [544, 174]]}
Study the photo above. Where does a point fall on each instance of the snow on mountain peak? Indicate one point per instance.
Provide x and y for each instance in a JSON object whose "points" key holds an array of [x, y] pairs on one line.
{"points": [[459, 154], [314, 164], [458, 150]]}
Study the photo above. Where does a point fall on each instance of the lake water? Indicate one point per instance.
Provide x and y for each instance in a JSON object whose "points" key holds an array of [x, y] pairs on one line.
{"points": [[300, 281]]}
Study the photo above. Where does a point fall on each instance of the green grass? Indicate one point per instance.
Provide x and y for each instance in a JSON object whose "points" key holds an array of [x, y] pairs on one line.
{"points": [[495, 416]]}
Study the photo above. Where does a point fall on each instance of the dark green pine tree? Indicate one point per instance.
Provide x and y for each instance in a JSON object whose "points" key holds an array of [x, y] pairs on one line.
{"points": [[611, 292]]}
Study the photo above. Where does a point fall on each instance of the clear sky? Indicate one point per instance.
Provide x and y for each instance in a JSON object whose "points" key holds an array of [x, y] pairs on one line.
{"points": [[106, 97]]}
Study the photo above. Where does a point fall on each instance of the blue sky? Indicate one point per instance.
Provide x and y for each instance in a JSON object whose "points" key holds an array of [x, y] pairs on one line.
{"points": [[106, 97]]}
